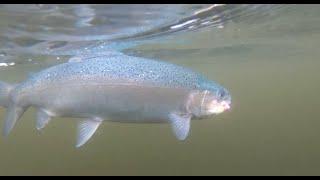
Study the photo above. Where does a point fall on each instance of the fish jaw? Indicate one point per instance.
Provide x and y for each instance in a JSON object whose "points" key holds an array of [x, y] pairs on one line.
{"points": [[219, 107]]}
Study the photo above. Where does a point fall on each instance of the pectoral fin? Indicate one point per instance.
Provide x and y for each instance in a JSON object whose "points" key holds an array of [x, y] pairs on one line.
{"points": [[86, 129], [180, 124]]}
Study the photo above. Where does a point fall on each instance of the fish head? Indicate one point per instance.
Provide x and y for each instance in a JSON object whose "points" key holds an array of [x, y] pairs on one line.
{"points": [[211, 100]]}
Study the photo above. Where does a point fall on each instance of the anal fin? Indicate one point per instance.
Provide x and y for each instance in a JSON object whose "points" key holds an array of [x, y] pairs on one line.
{"points": [[86, 129], [13, 115]]}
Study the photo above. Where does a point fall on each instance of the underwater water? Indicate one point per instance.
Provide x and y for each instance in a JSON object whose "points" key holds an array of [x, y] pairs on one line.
{"points": [[265, 55]]}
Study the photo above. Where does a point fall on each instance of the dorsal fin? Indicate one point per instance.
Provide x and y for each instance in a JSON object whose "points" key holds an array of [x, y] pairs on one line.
{"points": [[85, 57], [75, 59], [30, 75]]}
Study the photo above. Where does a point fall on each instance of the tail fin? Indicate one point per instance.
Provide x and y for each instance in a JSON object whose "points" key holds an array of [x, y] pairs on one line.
{"points": [[14, 111]]}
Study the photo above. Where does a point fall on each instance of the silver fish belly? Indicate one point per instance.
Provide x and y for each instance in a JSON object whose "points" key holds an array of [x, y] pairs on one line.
{"points": [[115, 88]]}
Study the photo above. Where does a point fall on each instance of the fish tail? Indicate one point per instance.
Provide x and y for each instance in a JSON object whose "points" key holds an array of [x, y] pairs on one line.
{"points": [[7, 100]]}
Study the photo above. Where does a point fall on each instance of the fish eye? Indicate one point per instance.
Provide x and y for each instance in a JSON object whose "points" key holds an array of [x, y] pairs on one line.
{"points": [[221, 94]]}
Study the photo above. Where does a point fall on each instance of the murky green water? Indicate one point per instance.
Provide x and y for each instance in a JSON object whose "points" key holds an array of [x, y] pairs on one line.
{"points": [[271, 69]]}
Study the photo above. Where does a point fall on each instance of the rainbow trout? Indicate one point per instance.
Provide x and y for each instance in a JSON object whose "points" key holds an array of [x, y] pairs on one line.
{"points": [[116, 88]]}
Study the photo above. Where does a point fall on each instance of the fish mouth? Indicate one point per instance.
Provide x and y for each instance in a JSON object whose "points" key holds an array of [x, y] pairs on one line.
{"points": [[226, 105], [219, 107]]}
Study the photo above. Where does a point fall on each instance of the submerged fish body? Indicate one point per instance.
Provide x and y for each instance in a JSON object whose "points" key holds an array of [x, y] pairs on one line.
{"points": [[116, 88]]}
